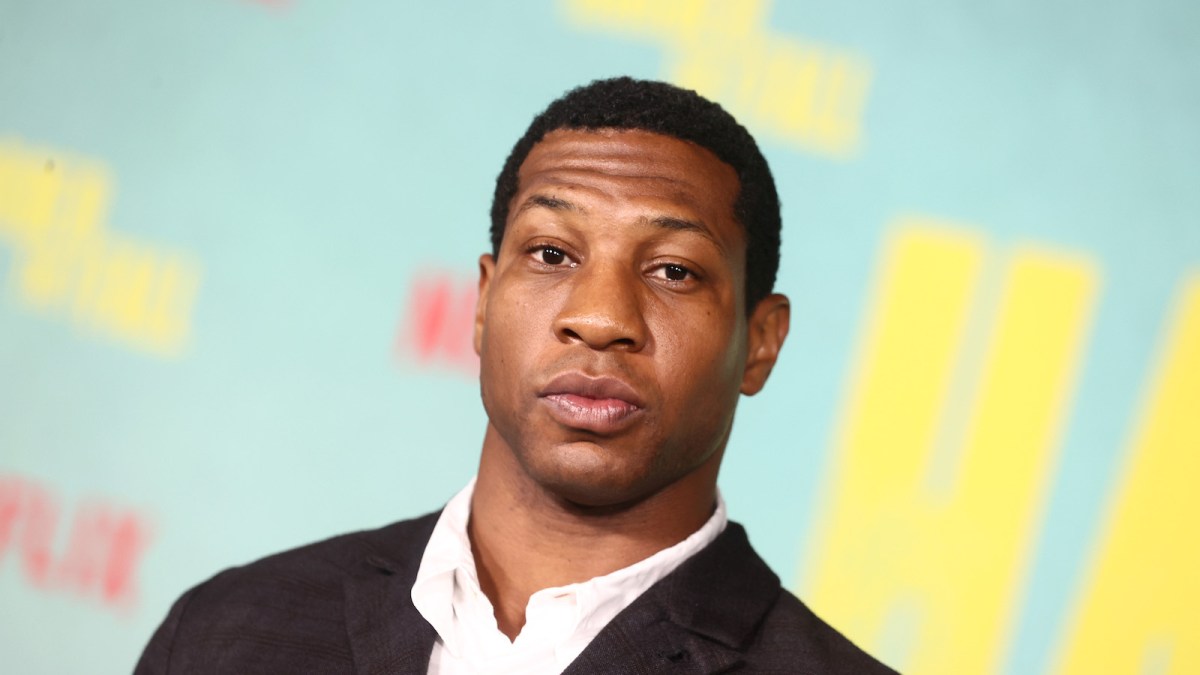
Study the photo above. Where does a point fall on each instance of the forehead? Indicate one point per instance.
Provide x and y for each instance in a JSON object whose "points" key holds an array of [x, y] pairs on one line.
{"points": [[632, 165]]}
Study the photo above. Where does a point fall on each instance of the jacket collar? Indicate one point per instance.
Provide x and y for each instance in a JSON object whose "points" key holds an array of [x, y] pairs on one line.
{"points": [[697, 619], [387, 634]]}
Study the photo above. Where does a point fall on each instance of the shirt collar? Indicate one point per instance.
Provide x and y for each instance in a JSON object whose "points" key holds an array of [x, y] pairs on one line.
{"points": [[447, 592]]}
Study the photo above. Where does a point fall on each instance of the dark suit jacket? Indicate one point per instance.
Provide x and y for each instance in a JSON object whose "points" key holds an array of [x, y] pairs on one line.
{"points": [[343, 606]]}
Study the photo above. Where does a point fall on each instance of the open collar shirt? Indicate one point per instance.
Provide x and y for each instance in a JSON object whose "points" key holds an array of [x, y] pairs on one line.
{"points": [[559, 622]]}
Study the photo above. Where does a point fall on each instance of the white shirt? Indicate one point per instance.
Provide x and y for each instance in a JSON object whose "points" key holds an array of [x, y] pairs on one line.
{"points": [[559, 622]]}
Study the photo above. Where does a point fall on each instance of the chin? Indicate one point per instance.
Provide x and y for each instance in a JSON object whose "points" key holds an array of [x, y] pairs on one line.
{"points": [[585, 474]]}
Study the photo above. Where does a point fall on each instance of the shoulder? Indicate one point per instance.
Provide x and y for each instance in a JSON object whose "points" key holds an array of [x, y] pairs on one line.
{"points": [[292, 602], [312, 574], [792, 633], [728, 594]]}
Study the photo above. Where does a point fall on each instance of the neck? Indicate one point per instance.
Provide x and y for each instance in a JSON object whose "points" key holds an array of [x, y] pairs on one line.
{"points": [[526, 538]]}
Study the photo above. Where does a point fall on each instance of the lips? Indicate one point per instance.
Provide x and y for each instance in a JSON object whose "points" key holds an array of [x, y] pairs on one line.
{"points": [[601, 405]]}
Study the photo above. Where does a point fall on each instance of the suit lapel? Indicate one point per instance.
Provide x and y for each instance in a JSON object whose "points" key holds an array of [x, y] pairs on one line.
{"points": [[642, 643], [695, 620], [387, 634]]}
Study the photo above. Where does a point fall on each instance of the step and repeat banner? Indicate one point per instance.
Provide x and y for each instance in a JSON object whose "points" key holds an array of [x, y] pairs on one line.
{"points": [[237, 269]]}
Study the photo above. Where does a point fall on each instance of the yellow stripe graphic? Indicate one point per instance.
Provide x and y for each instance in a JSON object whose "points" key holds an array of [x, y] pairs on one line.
{"points": [[1141, 607], [926, 577]]}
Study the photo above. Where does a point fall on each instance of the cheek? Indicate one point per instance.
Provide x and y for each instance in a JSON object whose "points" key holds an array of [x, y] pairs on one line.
{"points": [[701, 362], [515, 326]]}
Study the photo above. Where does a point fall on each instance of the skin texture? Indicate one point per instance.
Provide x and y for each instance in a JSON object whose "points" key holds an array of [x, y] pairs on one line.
{"points": [[614, 345]]}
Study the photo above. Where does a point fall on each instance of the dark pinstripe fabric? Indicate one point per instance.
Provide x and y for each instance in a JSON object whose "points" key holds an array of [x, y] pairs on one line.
{"points": [[343, 606]]}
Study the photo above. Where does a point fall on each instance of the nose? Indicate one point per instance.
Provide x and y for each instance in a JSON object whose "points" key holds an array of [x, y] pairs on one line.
{"points": [[603, 309]]}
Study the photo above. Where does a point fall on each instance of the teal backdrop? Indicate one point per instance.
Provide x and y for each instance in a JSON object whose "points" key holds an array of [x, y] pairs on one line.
{"points": [[238, 247]]}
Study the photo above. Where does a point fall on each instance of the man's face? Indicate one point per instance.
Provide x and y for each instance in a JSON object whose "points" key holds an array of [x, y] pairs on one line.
{"points": [[611, 327]]}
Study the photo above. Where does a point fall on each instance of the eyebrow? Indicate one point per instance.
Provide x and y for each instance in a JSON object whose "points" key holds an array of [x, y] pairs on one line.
{"points": [[671, 223], [552, 203], [665, 222]]}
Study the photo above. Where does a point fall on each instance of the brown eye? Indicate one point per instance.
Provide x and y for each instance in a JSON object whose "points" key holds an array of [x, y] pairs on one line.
{"points": [[552, 256], [676, 273]]}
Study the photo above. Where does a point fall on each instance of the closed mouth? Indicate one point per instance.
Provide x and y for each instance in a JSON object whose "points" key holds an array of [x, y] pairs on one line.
{"points": [[597, 404]]}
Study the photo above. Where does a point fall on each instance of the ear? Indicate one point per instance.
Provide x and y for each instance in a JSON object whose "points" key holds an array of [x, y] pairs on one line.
{"points": [[487, 269], [766, 330]]}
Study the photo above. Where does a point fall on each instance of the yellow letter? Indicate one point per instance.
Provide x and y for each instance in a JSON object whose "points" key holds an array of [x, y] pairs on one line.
{"points": [[1141, 608], [922, 549]]}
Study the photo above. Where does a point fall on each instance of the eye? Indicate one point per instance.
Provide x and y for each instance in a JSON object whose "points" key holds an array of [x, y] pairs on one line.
{"points": [[551, 256], [674, 273]]}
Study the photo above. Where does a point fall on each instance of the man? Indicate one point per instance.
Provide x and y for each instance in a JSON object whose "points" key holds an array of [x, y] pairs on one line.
{"points": [[625, 307]]}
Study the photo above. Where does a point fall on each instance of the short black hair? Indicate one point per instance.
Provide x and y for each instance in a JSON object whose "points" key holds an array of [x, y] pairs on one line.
{"points": [[658, 107]]}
